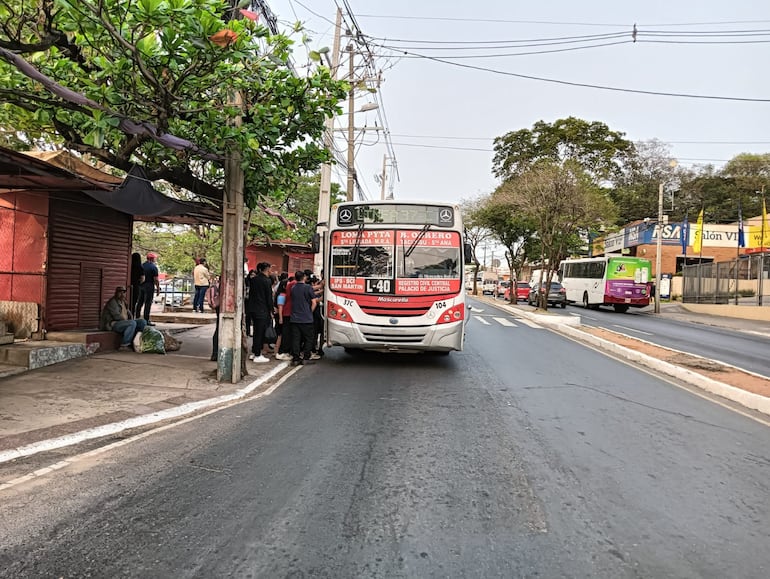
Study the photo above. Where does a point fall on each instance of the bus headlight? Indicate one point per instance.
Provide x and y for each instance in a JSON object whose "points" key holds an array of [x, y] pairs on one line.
{"points": [[453, 314], [337, 312]]}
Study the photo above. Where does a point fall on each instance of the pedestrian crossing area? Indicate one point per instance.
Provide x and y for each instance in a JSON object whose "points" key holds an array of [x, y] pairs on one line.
{"points": [[489, 320]]}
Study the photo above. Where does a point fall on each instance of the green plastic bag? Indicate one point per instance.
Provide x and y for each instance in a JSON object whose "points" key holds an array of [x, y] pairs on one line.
{"points": [[152, 341]]}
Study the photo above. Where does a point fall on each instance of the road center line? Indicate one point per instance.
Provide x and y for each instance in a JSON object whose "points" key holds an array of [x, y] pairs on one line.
{"points": [[633, 330]]}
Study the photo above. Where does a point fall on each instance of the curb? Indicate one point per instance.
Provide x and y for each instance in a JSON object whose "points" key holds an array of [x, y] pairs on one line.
{"points": [[144, 420]]}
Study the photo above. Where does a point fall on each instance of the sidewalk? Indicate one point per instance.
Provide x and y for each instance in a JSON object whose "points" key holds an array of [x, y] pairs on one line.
{"points": [[107, 393]]}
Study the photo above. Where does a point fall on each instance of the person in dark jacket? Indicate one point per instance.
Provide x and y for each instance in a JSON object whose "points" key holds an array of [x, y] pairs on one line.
{"points": [[137, 279], [303, 303], [260, 308], [150, 286]]}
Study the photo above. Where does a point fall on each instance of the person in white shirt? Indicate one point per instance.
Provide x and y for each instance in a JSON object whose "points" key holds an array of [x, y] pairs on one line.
{"points": [[202, 281]]}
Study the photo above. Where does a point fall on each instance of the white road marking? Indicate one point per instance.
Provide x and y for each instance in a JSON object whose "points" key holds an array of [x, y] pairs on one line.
{"points": [[482, 320], [633, 330], [505, 322], [529, 323]]}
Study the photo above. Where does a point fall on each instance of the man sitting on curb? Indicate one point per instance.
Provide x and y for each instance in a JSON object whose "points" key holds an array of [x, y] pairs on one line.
{"points": [[117, 317]]}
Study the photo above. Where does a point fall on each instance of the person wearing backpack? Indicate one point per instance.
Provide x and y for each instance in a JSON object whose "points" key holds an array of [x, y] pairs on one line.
{"points": [[212, 297]]}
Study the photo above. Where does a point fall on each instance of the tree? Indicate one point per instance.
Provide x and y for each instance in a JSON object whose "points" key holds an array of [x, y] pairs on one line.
{"points": [[598, 150], [475, 232], [150, 82], [512, 230], [560, 201], [635, 191], [179, 246]]}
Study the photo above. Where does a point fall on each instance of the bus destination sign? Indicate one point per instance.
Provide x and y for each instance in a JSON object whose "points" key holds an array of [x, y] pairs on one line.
{"points": [[350, 215]]}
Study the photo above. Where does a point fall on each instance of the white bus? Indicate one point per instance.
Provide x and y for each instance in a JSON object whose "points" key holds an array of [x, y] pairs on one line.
{"points": [[611, 280], [394, 278]]}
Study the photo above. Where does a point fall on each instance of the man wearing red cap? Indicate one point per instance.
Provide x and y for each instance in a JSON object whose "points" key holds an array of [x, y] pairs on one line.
{"points": [[150, 286]]}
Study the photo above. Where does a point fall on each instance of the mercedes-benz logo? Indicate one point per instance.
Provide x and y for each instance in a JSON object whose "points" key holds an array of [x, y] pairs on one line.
{"points": [[445, 215], [346, 215]]}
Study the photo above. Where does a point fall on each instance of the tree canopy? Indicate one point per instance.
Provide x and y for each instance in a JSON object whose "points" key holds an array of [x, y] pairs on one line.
{"points": [[152, 82], [598, 150], [560, 202]]}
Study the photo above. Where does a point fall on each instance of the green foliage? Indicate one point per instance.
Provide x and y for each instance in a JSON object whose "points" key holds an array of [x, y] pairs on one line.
{"points": [[598, 150], [159, 62], [742, 179], [301, 203], [178, 246], [558, 202], [518, 234]]}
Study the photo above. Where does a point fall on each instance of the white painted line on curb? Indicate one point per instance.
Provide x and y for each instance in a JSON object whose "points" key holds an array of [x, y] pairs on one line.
{"points": [[144, 420], [106, 448]]}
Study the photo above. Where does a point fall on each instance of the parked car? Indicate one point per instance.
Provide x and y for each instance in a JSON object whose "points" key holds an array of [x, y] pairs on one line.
{"points": [[488, 287], [522, 291], [557, 295]]}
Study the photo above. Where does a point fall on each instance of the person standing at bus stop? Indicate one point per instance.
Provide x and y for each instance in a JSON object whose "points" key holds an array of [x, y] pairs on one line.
{"points": [[260, 308], [303, 304], [202, 281], [150, 286]]}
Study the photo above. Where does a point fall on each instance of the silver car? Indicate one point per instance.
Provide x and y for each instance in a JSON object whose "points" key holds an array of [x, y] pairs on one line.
{"points": [[557, 295]]}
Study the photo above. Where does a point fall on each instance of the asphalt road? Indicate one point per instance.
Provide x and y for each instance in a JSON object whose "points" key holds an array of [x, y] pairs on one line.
{"points": [[748, 351], [526, 455]]}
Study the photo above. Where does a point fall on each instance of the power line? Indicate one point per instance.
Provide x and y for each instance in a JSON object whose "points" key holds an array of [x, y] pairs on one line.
{"points": [[590, 85], [529, 53], [559, 23], [456, 43]]}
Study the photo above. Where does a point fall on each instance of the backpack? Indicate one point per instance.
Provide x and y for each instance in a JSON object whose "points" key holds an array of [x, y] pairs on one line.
{"points": [[212, 296]]}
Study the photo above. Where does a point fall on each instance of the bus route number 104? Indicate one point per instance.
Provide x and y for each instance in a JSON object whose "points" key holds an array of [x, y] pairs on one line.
{"points": [[379, 286]]}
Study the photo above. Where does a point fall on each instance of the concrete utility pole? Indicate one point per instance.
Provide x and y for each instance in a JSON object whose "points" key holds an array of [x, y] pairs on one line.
{"points": [[324, 196], [383, 177], [659, 248], [351, 124], [229, 362]]}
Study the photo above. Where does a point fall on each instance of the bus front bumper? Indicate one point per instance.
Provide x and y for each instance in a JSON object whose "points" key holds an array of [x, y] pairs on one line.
{"points": [[436, 338]]}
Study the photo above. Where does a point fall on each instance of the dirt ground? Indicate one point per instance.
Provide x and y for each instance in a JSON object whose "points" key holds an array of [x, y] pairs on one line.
{"points": [[709, 368]]}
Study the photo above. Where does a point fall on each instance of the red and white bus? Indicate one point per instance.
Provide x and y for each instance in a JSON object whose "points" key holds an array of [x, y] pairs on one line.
{"points": [[394, 277]]}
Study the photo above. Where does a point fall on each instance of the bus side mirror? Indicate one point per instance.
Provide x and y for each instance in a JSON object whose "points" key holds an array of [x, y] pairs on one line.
{"points": [[315, 244], [468, 253]]}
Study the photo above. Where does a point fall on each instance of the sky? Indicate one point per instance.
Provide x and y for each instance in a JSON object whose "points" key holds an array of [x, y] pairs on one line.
{"points": [[442, 118]]}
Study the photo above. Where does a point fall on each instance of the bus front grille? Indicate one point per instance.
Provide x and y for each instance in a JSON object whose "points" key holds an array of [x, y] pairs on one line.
{"points": [[391, 312], [391, 335]]}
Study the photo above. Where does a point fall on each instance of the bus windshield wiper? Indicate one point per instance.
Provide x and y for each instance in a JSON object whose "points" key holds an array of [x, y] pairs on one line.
{"points": [[357, 246], [417, 239]]}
